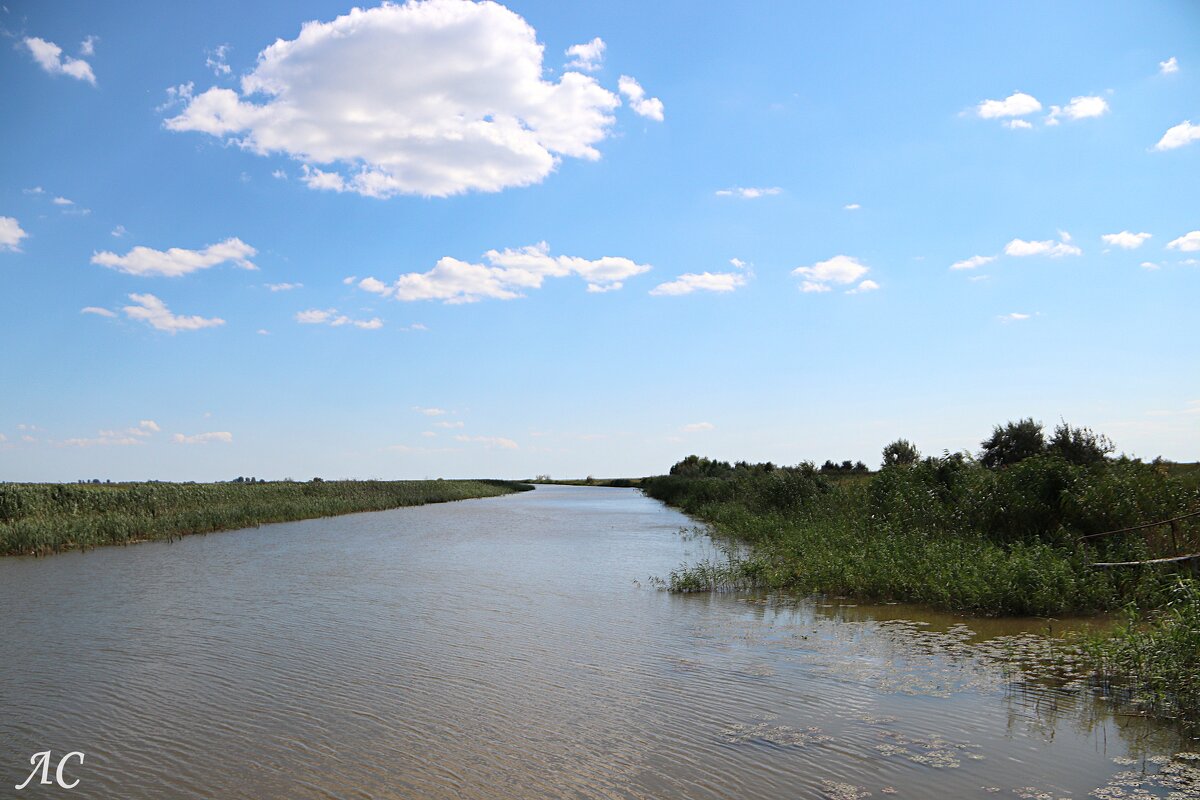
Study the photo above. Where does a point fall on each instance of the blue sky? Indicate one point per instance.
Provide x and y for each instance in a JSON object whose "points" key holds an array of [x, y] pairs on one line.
{"points": [[427, 240]]}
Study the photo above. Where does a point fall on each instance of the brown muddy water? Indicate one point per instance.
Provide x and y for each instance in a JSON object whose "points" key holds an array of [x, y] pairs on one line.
{"points": [[514, 648]]}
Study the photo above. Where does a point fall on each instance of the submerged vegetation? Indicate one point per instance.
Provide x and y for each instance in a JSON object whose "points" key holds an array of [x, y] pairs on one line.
{"points": [[46, 518], [1010, 530]]}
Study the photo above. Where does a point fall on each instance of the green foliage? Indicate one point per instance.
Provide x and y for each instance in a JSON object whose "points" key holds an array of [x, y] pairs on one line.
{"points": [[1157, 660], [901, 453], [44, 518], [946, 530], [1079, 445], [1012, 442]]}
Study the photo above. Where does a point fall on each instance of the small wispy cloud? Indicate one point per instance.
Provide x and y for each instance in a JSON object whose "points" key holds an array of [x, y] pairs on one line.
{"points": [[331, 317], [973, 262], [1169, 67], [696, 427], [649, 107], [203, 438], [749, 192], [490, 442], [588, 56], [154, 312]]}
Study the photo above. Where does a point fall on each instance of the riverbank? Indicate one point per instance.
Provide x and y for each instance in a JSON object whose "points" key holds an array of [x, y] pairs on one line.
{"points": [[37, 519], [955, 534]]}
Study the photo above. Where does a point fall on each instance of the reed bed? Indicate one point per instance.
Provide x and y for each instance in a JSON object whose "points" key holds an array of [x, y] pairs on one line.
{"points": [[37, 519]]}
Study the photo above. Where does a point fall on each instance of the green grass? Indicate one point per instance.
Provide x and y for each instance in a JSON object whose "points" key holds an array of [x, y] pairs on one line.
{"points": [[36, 519]]}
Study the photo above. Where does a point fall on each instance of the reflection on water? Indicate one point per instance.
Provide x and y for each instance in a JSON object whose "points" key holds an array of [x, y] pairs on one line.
{"points": [[508, 648]]}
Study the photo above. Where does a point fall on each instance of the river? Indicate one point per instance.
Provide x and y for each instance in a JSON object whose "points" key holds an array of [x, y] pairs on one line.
{"points": [[515, 647]]}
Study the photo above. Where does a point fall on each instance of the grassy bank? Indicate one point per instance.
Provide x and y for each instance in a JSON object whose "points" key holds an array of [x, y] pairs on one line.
{"points": [[47, 518], [1001, 532]]}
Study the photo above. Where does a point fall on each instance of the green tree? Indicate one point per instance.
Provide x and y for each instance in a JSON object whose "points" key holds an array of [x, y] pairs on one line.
{"points": [[1012, 442], [901, 453], [1081, 446]]}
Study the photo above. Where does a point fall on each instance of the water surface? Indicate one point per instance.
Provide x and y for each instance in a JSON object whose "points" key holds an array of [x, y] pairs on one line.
{"points": [[513, 647]]}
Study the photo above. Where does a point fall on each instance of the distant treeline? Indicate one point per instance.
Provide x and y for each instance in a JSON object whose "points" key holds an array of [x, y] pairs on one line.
{"points": [[45, 518], [999, 531]]}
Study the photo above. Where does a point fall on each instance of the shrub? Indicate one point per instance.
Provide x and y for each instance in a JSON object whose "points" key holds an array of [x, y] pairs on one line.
{"points": [[1012, 443]]}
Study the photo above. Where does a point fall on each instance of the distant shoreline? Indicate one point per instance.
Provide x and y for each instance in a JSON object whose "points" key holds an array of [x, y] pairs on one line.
{"points": [[46, 518]]}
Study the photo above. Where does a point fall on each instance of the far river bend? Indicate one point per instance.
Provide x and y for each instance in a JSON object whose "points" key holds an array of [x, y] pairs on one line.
{"points": [[514, 648]]}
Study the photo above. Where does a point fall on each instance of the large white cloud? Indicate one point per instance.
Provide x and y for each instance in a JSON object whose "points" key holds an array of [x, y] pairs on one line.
{"points": [[49, 57], [842, 270], [154, 312], [11, 234], [432, 97], [701, 282], [1183, 133], [177, 261], [1017, 104], [505, 276]]}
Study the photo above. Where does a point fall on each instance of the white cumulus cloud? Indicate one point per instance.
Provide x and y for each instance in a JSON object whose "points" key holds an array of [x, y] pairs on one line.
{"points": [[177, 261], [1183, 133], [1125, 240], [865, 286], [11, 234], [49, 57], [1049, 247], [837, 270], [284, 287], [1017, 124], [649, 107], [429, 97], [701, 282], [1017, 104], [505, 276], [1078, 108], [588, 56], [154, 312], [1188, 243], [1169, 67], [851, 207]]}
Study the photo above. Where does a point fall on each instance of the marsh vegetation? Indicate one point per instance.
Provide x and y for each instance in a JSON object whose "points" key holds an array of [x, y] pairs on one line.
{"points": [[43, 518], [1009, 530]]}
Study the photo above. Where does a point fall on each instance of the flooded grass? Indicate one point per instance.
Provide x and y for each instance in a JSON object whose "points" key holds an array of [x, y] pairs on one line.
{"points": [[36, 519]]}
